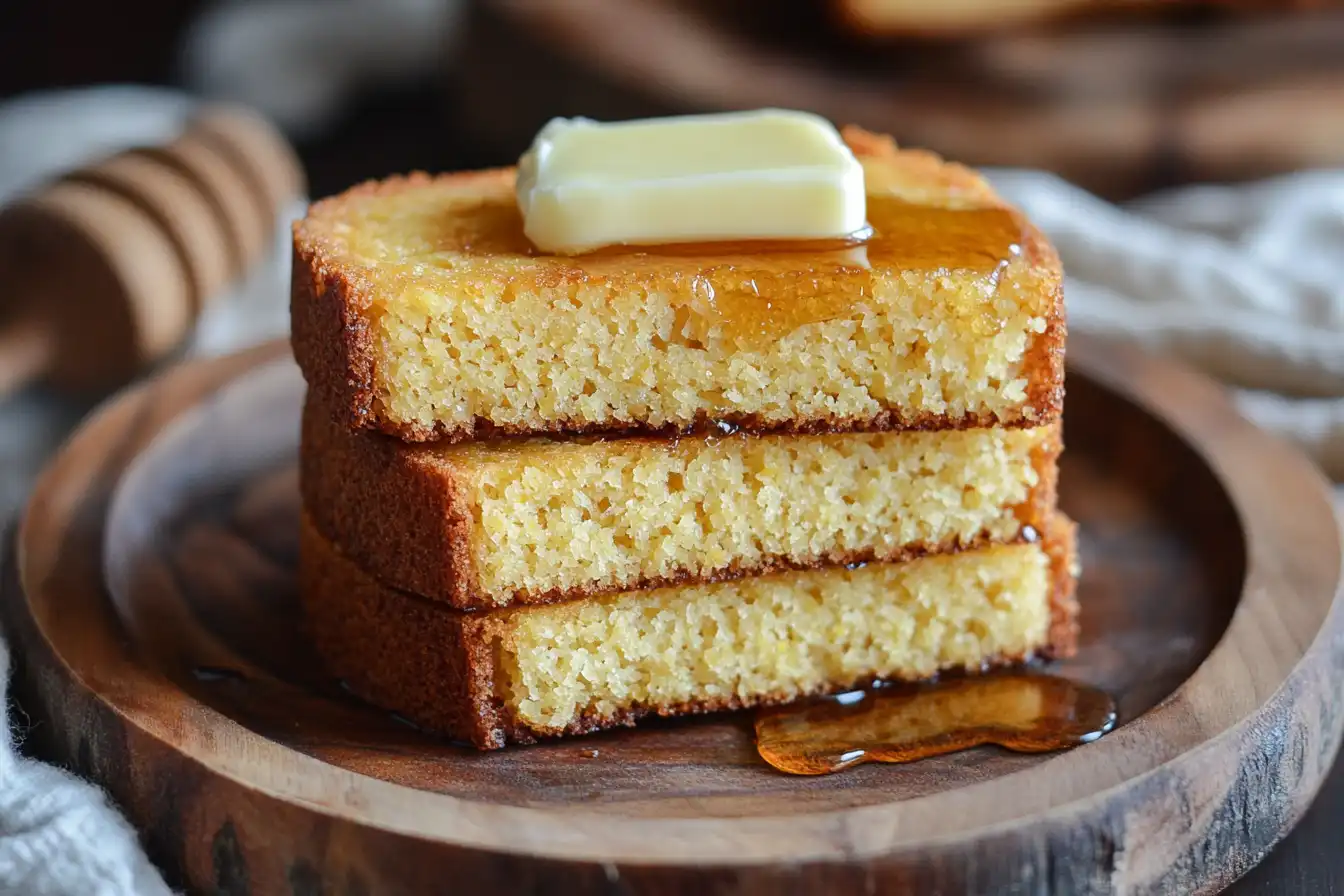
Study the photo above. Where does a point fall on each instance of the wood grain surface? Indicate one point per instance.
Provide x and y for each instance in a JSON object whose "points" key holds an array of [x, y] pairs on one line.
{"points": [[1212, 563]]}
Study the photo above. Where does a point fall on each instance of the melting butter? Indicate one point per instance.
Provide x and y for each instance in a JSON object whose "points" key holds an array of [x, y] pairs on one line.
{"points": [[764, 175]]}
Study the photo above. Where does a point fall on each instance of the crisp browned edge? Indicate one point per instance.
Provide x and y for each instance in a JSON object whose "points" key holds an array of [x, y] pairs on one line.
{"points": [[382, 643], [330, 331], [438, 666], [405, 517], [1061, 546]]}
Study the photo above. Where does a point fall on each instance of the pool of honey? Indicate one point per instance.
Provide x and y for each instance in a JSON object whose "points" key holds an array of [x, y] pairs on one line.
{"points": [[1028, 712]]}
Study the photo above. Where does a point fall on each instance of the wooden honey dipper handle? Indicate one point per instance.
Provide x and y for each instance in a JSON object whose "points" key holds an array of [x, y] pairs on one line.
{"points": [[27, 349], [107, 267]]}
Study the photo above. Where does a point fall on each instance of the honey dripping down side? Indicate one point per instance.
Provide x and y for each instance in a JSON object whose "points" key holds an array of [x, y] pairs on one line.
{"points": [[1025, 712], [753, 293]]}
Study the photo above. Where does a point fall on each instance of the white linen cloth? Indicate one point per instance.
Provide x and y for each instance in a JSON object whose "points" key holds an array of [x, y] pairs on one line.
{"points": [[1244, 282]]}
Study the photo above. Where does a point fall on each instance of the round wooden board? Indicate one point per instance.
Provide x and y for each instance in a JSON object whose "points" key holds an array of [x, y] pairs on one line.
{"points": [[1210, 610]]}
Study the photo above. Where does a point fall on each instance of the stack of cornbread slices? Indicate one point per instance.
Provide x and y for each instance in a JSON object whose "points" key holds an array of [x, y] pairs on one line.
{"points": [[548, 495]]}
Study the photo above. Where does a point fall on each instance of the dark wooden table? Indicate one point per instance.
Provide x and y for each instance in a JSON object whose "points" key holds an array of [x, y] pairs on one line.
{"points": [[1310, 862]]}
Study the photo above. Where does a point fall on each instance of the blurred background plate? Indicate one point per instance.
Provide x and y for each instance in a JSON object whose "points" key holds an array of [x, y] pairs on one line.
{"points": [[1119, 101]]}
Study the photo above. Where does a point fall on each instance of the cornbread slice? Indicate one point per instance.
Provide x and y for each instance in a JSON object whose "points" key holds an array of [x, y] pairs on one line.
{"points": [[537, 520], [419, 308], [515, 675]]}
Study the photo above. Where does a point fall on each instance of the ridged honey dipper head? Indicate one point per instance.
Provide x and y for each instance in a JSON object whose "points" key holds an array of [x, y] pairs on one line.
{"points": [[93, 278]]}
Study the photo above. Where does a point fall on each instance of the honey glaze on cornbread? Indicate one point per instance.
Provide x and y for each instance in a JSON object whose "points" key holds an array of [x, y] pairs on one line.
{"points": [[1026, 712], [753, 292], [775, 287]]}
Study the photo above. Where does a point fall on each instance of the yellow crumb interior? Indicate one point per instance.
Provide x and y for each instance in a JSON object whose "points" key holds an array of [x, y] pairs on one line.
{"points": [[571, 515], [467, 325], [591, 356], [780, 635]]}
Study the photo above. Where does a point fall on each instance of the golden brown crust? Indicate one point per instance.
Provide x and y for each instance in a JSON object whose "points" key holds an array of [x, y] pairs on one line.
{"points": [[329, 332], [395, 510], [432, 664], [1061, 546], [399, 511], [889, 420], [330, 328], [1039, 509], [437, 666]]}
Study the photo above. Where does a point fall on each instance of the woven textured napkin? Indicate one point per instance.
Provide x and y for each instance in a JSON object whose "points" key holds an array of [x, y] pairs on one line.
{"points": [[1246, 283]]}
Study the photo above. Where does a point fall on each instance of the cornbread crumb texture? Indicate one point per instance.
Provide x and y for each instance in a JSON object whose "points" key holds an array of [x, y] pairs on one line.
{"points": [[521, 673], [420, 308], [484, 524]]}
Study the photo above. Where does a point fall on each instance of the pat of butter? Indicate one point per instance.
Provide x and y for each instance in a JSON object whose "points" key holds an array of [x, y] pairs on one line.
{"points": [[763, 175]]}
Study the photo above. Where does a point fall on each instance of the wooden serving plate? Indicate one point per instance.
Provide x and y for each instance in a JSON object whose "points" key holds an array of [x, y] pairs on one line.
{"points": [[161, 655]]}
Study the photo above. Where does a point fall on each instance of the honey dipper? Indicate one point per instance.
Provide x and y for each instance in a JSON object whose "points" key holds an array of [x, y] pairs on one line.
{"points": [[107, 269], [96, 290]]}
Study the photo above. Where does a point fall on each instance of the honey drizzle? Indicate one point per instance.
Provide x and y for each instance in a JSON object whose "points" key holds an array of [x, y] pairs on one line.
{"points": [[755, 292], [1025, 712]]}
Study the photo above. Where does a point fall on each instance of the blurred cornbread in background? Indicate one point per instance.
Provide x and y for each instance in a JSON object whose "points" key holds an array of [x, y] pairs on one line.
{"points": [[1119, 97], [953, 18]]}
